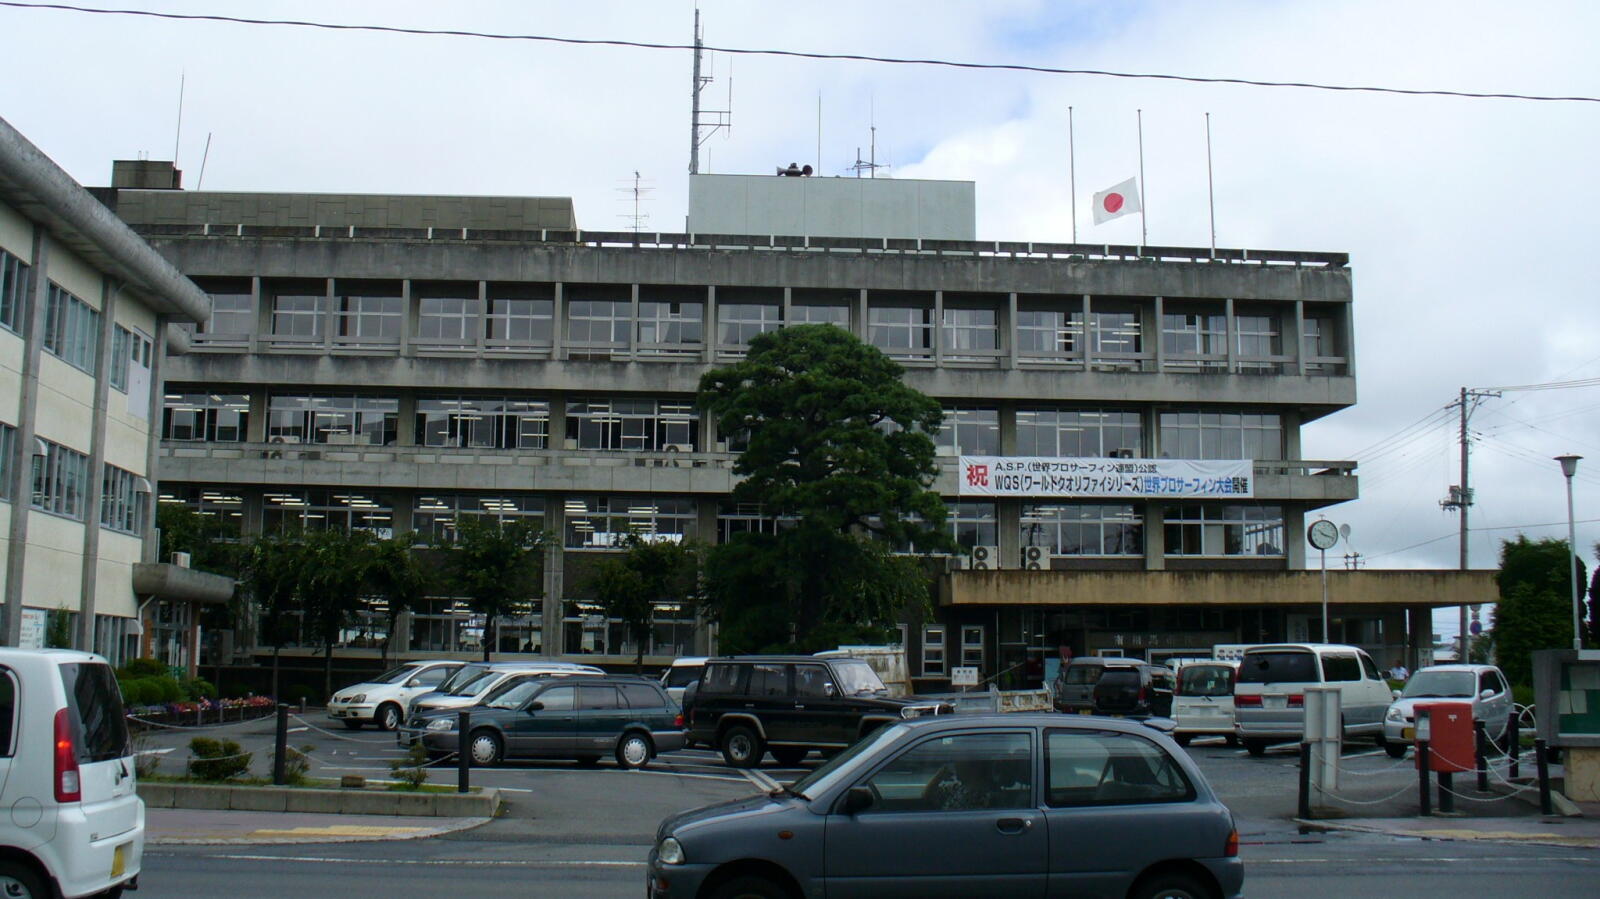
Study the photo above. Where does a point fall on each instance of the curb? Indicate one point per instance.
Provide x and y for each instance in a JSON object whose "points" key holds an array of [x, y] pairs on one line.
{"points": [[411, 834], [1444, 832], [223, 797]]}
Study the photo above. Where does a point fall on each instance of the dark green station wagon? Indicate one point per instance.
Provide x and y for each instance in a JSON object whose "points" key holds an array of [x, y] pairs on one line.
{"points": [[584, 718]]}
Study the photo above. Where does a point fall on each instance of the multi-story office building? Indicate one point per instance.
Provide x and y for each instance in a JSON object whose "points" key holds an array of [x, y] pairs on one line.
{"points": [[394, 362], [85, 312]]}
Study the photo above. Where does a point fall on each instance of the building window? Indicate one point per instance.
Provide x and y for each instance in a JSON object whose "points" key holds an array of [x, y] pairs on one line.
{"points": [[972, 646], [522, 321], [337, 509], [60, 481], [633, 425], [121, 502], [128, 349], [1093, 433], [1061, 529], [603, 522], [748, 518], [933, 650], [71, 329], [739, 323], [225, 506], [971, 331], [1116, 336], [448, 319], [8, 445], [973, 524], [434, 516], [1049, 333], [13, 291], [1215, 530], [1318, 341], [1221, 435], [903, 332], [1258, 341], [969, 432], [826, 314], [232, 315], [1194, 341], [209, 417], [671, 329], [298, 315], [332, 419], [483, 422], [599, 324], [370, 318]]}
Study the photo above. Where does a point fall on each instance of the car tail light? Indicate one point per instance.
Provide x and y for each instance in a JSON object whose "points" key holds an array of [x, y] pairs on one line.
{"points": [[1297, 700], [68, 785], [1231, 848], [677, 721], [1247, 701]]}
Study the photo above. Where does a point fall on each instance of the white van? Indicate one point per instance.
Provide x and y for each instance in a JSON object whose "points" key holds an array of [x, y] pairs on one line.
{"points": [[76, 824], [1202, 705], [1269, 693]]}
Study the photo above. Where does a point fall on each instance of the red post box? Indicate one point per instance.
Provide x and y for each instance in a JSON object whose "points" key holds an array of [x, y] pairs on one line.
{"points": [[1447, 726]]}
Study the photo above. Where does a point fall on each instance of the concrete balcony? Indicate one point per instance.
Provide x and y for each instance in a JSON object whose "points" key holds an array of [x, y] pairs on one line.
{"points": [[1217, 589]]}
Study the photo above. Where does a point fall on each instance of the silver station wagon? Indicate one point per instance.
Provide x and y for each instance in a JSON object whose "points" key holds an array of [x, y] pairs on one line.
{"points": [[991, 805]]}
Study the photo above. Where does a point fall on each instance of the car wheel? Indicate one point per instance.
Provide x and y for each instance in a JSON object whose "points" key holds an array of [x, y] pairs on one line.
{"points": [[749, 887], [1256, 748], [1183, 739], [741, 747], [1172, 885], [1395, 750], [485, 749], [352, 725], [19, 882], [633, 751], [1232, 739], [388, 716], [790, 757]]}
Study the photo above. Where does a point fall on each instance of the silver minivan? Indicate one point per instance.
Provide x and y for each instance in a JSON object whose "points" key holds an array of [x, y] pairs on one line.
{"points": [[1270, 691], [75, 825]]}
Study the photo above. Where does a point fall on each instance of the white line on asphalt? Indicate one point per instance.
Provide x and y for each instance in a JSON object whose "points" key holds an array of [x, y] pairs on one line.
{"points": [[763, 783], [297, 730], [1362, 755], [155, 751], [1428, 860], [463, 862]]}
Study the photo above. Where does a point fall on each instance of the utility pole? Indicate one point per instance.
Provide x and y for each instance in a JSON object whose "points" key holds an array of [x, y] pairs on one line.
{"points": [[699, 119], [1460, 498]]}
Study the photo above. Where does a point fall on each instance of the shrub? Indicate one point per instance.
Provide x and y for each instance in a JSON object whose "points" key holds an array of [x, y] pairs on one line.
{"points": [[167, 688], [146, 668], [200, 688], [411, 769], [296, 763], [132, 692], [217, 759]]}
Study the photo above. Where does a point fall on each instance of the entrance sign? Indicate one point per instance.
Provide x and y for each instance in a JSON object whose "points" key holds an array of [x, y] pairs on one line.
{"points": [[963, 676], [1044, 476]]}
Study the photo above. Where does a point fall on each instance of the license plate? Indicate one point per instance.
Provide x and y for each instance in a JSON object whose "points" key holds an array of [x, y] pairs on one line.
{"points": [[1408, 734], [1273, 702], [1086, 711], [119, 860]]}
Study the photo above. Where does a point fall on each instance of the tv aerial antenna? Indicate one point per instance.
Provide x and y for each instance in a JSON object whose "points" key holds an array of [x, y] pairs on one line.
{"points": [[705, 122], [870, 165], [636, 191]]}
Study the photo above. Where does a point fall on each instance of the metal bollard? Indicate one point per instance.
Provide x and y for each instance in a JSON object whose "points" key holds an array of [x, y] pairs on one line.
{"points": [[1541, 758], [1305, 780], [280, 744], [1514, 746], [1480, 751], [1447, 799], [463, 752], [1425, 801]]}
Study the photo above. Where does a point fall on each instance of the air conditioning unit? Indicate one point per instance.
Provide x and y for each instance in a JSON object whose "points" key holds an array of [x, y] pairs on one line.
{"points": [[675, 448], [1033, 554], [984, 557]]}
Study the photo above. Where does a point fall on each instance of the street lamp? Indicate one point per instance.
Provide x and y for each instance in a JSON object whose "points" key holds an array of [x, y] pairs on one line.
{"points": [[1569, 467]]}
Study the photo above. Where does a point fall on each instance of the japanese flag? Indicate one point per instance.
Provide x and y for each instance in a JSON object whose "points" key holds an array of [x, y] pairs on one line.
{"points": [[1117, 201]]}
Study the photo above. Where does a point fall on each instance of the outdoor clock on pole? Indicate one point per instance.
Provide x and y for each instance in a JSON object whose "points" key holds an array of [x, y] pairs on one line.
{"points": [[1323, 533]]}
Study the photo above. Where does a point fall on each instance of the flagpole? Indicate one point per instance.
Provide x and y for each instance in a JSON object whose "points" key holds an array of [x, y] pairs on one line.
{"points": [[1144, 189], [1072, 175], [1211, 189]]}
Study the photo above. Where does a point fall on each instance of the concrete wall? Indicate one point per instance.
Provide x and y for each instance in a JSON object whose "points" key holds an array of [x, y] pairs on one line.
{"points": [[167, 207], [1220, 588], [832, 207]]}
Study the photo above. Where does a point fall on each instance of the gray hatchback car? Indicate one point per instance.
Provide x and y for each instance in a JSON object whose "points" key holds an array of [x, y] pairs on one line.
{"points": [[990, 805]]}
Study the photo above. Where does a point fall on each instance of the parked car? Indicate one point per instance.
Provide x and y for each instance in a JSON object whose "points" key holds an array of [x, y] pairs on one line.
{"points": [[968, 805], [74, 824], [476, 683], [1482, 685], [1269, 694], [1202, 706], [680, 674], [1073, 690], [580, 717], [1140, 690], [789, 705], [382, 700]]}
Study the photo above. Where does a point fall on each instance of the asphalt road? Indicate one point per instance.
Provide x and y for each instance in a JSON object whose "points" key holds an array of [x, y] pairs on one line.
{"points": [[579, 832]]}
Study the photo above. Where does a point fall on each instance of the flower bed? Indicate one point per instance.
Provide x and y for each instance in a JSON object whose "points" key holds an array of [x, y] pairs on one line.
{"points": [[203, 711]]}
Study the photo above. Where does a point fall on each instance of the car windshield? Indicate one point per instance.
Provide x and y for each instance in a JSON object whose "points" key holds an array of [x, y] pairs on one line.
{"points": [[459, 677], [394, 675], [1205, 680], [857, 677], [821, 779], [513, 694], [1288, 667], [1427, 683], [683, 675], [479, 681]]}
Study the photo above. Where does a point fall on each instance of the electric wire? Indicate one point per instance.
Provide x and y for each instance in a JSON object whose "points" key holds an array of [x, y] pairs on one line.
{"points": [[797, 54]]}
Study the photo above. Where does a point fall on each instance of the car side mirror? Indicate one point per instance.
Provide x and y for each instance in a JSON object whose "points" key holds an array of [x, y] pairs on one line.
{"points": [[831, 690], [1486, 694], [1396, 693], [858, 799], [413, 683], [534, 706]]}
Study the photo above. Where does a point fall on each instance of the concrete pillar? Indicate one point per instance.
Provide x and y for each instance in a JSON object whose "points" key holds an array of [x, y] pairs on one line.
{"points": [[1008, 332], [550, 607], [708, 353], [859, 317], [633, 322], [1161, 348], [481, 328], [1230, 335], [938, 328], [1088, 333], [1007, 419], [1345, 341], [89, 580], [1155, 536], [788, 303], [330, 315], [558, 424], [255, 429], [405, 432], [558, 319], [1294, 537], [260, 304], [1294, 341], [22, 456], [1008, 527], [1289, 420], [409, 319]]}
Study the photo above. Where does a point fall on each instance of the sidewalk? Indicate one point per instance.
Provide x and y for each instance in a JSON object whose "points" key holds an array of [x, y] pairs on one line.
{"points": [[1571, 831], [167, 827]]}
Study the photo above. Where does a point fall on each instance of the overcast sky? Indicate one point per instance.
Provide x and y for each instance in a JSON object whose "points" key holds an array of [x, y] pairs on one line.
{"points": [[1470, 223]]}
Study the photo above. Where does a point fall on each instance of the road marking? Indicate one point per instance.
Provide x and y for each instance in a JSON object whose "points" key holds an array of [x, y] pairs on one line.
{"points": [[442, 862], [297, 730], [763, 783], [154, 751]]}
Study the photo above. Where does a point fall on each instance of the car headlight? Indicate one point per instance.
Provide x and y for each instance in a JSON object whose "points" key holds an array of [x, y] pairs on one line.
{"points": [[359, 697], [441, 724], [1394, 714], [669, 852]]}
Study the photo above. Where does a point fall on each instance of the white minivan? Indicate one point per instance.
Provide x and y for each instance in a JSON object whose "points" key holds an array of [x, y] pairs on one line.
{"points": [[1270, 691], [75, 825]]}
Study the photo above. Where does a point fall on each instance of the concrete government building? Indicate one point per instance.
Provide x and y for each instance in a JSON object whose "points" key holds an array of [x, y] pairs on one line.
{"points": [[393, 362]]}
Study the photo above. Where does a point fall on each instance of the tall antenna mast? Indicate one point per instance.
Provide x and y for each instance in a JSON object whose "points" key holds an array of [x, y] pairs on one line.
{"points": [[707, 119], [870, 165], [637, 219], [177, 132]]}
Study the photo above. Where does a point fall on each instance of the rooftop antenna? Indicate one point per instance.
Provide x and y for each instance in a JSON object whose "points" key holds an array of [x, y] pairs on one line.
{"points": [[177, 132], [870, 165], [636, 219], [704, 122], [203, 157]]}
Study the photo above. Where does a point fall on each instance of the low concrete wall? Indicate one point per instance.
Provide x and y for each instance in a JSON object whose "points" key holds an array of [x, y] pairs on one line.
{"points": [[482, 804]]}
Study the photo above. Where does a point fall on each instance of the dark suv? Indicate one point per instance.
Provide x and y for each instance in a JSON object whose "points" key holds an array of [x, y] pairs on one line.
{"points": [[1106, 685], [746, 706]]}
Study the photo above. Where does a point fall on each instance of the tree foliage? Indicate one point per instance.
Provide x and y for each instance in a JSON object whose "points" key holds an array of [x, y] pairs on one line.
{"points": [[1535, 607], [628, 586], [335, 571], [270, 574], [498, 565], [840, 450], [399, 578]]}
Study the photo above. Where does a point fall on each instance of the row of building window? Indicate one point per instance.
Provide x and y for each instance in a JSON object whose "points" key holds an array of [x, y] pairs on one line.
{"points": [[71, 326], [13, 291], [71, 329], [650, 425], [130, 352], [61, 482]]}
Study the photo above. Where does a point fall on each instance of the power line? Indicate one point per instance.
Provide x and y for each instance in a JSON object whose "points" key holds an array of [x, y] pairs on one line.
{"points": [[1554, 385], [797, 54], [1509, 527]]}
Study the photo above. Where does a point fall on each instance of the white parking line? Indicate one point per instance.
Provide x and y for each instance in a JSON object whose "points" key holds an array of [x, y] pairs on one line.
{"points": [[763, 783]]}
